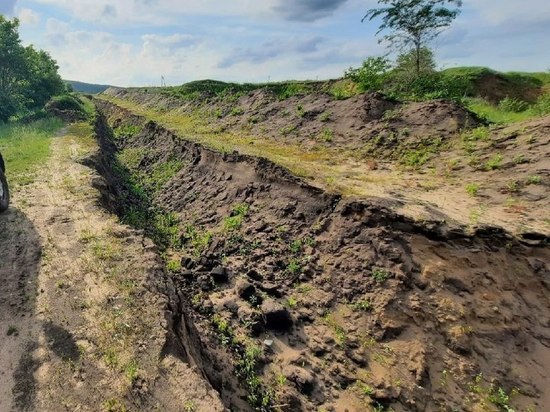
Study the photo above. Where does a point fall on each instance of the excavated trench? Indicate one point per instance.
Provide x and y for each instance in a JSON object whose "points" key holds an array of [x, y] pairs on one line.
{"points": [[291, 298]]}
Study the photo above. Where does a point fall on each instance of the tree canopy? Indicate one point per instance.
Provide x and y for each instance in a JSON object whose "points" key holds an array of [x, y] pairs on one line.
{"points": [[28, 77], [414, 23]]}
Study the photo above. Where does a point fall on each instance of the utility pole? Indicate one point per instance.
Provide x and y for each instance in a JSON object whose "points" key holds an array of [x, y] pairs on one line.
{"points": [[162, 82]]}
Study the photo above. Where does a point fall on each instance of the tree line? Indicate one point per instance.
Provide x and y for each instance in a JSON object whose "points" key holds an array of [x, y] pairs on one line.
{"points": [[28, 77]]}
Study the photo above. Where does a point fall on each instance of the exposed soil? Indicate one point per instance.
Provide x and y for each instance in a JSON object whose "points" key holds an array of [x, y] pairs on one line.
{"points": [[350, 304], [85, 319], [434, 160]]}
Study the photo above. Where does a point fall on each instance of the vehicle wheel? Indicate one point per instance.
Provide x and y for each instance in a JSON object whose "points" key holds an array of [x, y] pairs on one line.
{"points": [[4, 193]]}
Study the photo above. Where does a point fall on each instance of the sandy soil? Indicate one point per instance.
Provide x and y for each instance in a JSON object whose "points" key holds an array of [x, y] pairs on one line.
{"points": [[83, 323]]}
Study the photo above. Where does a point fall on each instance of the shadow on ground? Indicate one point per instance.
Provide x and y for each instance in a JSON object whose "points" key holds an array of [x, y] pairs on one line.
{"points": [[20, 256]]}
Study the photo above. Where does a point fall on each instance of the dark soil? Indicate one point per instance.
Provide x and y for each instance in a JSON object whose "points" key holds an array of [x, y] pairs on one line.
{"points": [[351, 305]]}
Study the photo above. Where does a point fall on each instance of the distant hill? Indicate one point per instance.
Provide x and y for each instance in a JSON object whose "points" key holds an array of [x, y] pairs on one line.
{"points": [[87, 87]]}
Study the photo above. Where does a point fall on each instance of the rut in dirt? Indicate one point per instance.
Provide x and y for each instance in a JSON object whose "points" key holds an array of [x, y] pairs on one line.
{"points": [[297, 298]]}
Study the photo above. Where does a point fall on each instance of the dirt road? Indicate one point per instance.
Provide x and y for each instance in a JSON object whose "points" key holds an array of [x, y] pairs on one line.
{"points": [[80, 329]]}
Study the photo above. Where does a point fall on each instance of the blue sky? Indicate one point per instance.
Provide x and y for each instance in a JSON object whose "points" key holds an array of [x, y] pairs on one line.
{"points": [[135, 42]]}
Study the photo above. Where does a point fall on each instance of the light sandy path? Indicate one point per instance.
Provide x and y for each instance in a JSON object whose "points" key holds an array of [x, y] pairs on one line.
{"points": [[81, 328]]}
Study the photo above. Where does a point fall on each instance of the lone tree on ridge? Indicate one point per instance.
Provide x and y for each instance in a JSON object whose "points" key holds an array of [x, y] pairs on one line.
{"points": [[414, 23]]}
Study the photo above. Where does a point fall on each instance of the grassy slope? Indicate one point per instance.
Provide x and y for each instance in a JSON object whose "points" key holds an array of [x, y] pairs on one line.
{"points": [[25, 146]]}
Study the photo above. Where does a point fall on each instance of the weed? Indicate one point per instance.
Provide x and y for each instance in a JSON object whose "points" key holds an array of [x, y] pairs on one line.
{"points": [[173, 265], [472, 189], [380, 275], [291, 302], [285, 131], [131, 370], [534, 180], [513, 186], [294, 266], [364, 389], [111, 358], [296, 246], [325, 117], [280, 379], [520, 159], [474, 135], [114, 405], [327, 135], [235, 220], [494, 162], [300, 112], [363, 305]]}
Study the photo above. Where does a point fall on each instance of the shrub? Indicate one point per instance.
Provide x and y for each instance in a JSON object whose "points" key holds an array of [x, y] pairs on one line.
{"points": [[511, 104], [372, 75], [542, 106]]}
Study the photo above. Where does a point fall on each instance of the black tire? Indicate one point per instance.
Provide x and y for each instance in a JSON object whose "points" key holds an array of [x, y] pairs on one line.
{"points": [[4, 193]]}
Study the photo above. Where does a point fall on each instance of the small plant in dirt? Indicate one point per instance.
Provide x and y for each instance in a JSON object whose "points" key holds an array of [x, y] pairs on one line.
{"points": [[534, 180], [520, 159], [225, 332], [198, 239], [339, 332], [327, 135], [474, 135], [285, 131], [325, 117], [189, 406], [472, 189], [513, 186], [131, 370], [114, 405], [294, 266], [494, 162], [173, 265], [363, 305], [235, 220], [291, 302], [111, 358], [380, 275], [300, 112], [296, 246], [364, 389]]}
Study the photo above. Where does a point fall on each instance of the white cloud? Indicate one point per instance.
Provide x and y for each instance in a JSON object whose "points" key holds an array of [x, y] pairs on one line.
{"points": [[28, 17]]}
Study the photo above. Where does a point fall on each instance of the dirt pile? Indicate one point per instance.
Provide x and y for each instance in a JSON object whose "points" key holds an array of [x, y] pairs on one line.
{"points": [[295, 299], [370, 123]]}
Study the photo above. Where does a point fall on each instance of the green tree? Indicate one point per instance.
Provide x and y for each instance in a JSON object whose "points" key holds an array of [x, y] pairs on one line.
{"points": [[371, 75], [414, 23], [13, 69], [43, 79]]}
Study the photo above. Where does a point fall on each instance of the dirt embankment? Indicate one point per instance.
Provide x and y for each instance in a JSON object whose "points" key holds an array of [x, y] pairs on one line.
{"points": [[295, 299], [433, 159]]}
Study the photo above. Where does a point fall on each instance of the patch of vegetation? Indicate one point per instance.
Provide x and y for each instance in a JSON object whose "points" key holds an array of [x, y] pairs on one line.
{"points": [[127, 131], [380, 275], [494, 162], [26, 146], [363, 305], [327, 135], [472, 189], [235, 220], [534, 180]]}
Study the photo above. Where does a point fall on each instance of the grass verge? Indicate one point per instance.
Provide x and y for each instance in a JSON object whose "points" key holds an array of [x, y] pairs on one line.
{"points": [[26, 146]]}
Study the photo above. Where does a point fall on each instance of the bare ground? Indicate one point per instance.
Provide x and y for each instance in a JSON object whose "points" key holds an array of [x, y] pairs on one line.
{"points": [[83, 323]]}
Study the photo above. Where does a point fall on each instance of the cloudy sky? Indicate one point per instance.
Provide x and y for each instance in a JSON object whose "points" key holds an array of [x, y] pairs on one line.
{"points": [[135, 42]]}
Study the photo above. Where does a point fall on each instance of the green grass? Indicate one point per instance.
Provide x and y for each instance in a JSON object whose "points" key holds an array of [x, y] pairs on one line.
{"points": [[494, 114], [26, 146]]}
